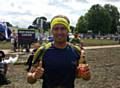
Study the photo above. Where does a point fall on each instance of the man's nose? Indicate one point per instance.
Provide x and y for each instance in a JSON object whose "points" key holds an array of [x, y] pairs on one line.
{"points": [[59, 30]]}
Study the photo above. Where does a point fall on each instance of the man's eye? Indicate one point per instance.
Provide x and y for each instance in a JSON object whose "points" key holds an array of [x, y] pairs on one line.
{"points": [[59, 28], [56, 28], [63, 29]]}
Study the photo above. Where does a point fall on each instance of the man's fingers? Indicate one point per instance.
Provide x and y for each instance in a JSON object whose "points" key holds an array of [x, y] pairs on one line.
{"points": [[40, 64], [39, 69], [39, 72]]}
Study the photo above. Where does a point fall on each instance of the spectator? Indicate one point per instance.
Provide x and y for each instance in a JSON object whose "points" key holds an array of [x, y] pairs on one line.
{"points": [[14, 40], [30, 59], [3, 70], [76, 41]]}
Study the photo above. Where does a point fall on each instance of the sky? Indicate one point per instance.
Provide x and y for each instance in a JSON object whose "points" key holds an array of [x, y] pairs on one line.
{"points": [[22, 13]]}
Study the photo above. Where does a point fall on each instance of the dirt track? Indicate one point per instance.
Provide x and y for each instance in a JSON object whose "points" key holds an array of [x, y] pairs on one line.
{"points": [[7, 51], [104, 65]]}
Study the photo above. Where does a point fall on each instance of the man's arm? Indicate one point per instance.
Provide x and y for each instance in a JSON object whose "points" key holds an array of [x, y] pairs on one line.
{"points": [[83, 67]]}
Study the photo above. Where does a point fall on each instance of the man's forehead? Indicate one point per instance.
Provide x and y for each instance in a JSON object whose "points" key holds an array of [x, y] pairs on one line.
{"points": [[59, 25]]}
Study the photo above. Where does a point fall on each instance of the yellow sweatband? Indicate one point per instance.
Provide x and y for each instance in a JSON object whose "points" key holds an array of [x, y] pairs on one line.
{"points": [[60, 20]]}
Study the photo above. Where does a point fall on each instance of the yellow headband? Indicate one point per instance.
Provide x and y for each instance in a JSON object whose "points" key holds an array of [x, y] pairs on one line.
{"points": [[60, 20]]}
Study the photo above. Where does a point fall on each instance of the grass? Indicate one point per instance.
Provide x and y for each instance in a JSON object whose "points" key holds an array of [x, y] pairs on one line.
{"points": [[5, 45], [96, 42], [86, 42]]}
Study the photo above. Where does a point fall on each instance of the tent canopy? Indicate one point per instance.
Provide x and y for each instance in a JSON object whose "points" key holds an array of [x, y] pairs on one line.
{"points": [[5, 30], [2, 27]]}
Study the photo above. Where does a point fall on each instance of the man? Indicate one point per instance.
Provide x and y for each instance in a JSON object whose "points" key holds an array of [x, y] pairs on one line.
{"points": [[59, 64], [14, 40], [76, 41], [30, 58], [3, 70]]}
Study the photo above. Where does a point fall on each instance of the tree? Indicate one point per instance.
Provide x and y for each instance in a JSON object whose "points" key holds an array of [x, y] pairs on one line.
{"points": [[115, 15], [35, 22], [8, 24], [39, 21], [46, 26], [99, 20], [81, 26], [31, 27], [72, 28]]}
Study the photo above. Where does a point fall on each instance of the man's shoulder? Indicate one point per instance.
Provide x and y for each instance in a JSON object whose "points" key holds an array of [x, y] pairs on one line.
{"points": [[41, 51], [44, 47], [75, 47]]}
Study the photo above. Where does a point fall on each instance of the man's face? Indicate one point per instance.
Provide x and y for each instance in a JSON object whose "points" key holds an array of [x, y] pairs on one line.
{"points": [[60, 33]]}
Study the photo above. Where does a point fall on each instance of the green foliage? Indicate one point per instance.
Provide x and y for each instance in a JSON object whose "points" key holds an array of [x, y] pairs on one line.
{"points": [[115, 15], [81, 26], [99, 19], [37, 24], [9, 24], [72, 29], [37, 20], [5, 45]]}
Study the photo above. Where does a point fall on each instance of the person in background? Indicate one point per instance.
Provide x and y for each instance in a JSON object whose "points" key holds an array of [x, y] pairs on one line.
{"points": [[14, 40], [76, 40], [60, 64], [30, 59], [3, 70]]}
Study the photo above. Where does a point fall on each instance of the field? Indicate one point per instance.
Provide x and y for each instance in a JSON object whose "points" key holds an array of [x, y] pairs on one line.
{"points": [[86, 42], [104, 65], [96, 42]]}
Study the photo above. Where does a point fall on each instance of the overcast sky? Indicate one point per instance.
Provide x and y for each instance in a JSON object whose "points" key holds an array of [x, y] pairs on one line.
{"points": [[23, 12]]}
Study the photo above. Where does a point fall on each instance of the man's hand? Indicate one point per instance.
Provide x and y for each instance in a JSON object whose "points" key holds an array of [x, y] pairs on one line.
{"points": [[83, 71], [82, 57], [35, 73], [38, 71]]}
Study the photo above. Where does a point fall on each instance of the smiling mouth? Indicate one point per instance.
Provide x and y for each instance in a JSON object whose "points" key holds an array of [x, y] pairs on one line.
{"points": [[59, 36]]}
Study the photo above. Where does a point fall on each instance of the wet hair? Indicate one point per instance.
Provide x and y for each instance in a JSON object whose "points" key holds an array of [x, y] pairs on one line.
{"points": [[61, 16]]}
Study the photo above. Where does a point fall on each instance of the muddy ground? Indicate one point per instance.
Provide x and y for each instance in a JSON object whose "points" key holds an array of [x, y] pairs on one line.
{"points": [[104, 65]]}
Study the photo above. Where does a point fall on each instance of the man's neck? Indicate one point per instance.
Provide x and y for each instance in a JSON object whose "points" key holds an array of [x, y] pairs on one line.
{"points": [[60, 44]]}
